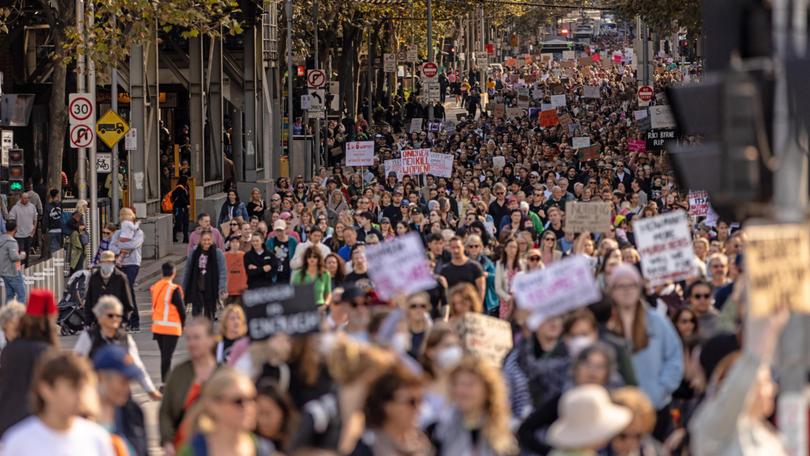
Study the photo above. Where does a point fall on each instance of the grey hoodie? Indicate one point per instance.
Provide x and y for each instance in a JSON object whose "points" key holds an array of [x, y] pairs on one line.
{"points": [[9, 255]]}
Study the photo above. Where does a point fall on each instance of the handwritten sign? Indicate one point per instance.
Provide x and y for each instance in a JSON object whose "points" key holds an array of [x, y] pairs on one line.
{"points": [[563, 286], [777, 263], [549, 118], [665, 247], [637, 145], [515, 112], [499, 110], [399, 266], [393, 166], [580, 142], [594, 217], [281, 309], [360, 153], [661, 117], [698, 203], [590, 153], [415, 161], [566, 120], [558, 101], [591, 92], [441, 165], [416, 125], [488, 337]]}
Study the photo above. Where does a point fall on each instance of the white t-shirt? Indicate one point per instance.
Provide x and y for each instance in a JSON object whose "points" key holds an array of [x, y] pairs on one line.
{"points": [[31, 436]]}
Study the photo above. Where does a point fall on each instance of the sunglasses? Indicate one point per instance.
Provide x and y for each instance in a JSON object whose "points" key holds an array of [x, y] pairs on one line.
{"points": [[115, 316], [701, 296], [534, 258], [238, 401], [235, 224], [549, 239], [686, 320], [418, 305]]}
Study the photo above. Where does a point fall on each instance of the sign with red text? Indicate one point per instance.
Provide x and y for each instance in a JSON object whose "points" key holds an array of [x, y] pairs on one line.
{"points": [[665, 246], [563, 286], [415, 161], [441, 165], [488, 337], [698, 203], [360, 153], [637, 145], [399, 266], [549, 118]]}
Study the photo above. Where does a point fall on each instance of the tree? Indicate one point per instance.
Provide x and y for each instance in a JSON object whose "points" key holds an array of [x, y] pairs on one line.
{"points": [[664, 16]]}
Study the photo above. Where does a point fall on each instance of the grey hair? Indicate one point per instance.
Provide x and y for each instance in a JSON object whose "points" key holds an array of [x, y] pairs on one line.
{"points": [[12, 310], [107, 303]]}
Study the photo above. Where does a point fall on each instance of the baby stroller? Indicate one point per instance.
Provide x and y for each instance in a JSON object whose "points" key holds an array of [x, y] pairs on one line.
{"points": [[71, 315]]}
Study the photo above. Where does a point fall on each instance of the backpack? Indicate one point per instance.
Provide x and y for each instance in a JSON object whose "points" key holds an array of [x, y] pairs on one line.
{"points": [[167, 205], [66, 223]]}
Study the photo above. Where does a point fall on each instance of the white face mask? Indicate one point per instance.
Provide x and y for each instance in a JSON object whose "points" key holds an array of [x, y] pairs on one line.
{"points": [[106, 269], [449, 357], [578, 343], [401, 342]]}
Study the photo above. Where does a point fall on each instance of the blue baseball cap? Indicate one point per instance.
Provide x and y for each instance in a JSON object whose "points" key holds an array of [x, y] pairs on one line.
{"points": [[405, 202], [118, 359]]}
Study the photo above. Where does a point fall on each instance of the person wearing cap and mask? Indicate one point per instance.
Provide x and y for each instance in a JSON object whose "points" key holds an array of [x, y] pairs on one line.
{"points": [[37, 333], [283, 246], [107, 280]]}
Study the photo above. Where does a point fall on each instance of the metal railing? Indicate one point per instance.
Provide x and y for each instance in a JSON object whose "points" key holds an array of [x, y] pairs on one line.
{"points": [[49, 275]]}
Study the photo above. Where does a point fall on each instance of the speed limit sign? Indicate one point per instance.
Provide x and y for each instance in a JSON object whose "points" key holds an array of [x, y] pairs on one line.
{"points": [[82, 110]]}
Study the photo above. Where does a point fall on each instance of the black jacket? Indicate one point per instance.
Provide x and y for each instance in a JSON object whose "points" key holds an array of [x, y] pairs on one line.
{"points": [[117, 285], [17, 363], [258, 278]]}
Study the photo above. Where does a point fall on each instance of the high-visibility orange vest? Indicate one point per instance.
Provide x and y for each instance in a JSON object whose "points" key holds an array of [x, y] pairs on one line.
{"points": [[165, 318]]}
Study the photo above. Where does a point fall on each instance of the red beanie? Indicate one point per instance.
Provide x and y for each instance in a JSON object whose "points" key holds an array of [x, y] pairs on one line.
{"points": [[41, 303]]}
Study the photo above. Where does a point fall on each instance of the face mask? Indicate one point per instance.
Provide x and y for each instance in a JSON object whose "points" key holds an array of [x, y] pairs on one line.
{"points": [[576, 344], [401, 342], [450, 357], [106, 269]]}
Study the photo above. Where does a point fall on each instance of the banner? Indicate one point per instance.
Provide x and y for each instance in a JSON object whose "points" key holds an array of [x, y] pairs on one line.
{"points": [[549, 118], [591, 92], [665, 246], [360, 153], [580, 142], [563, 286], [415, 161], [593, 217], [558, 101], [399, 266], [698, 203], [281, 309], [441, 165], [637, 145], [777, 258], [488, 337]]}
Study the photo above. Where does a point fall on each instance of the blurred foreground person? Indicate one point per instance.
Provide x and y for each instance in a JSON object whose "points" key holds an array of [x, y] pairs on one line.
{"points": [[588, 420]]}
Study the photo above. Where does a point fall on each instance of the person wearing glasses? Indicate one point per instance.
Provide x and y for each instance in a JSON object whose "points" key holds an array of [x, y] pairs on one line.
{"points": [[106, 280], [475, 250], [549, 251], [701, 303], [110, 313], [104, 243], [498, 209]]}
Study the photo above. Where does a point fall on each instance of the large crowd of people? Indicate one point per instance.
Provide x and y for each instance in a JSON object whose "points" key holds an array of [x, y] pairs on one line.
{"points": [[643, 371]]}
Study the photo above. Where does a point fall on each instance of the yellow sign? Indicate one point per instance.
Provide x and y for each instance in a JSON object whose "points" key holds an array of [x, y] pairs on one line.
{"points": [[111, 128]]}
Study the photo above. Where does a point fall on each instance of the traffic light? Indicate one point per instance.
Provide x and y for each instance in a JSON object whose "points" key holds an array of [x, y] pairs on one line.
{"points": [[15, 170]]}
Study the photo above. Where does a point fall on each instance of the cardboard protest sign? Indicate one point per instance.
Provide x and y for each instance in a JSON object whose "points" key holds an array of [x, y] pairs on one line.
{"points": [[637, 145], [661, 117], [568, 65], [568, 55], [584, 61], [640, 114], [593, 217], [549, 119], [558, 101], [591, 92], [565, 119], [558, 89], [499, 110], [360, 153], [415, 161], [393, 166], [488, 337], [281, 309], [514, 112], [563, 286], [441, 165], [665, 246], [777, 265], [580, 142], [590, 153], [399, 266], [546, 57], [416, 125], [698, 203]]}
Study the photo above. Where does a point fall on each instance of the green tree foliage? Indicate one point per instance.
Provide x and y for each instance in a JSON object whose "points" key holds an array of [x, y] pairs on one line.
{"points": [[664, 16]]}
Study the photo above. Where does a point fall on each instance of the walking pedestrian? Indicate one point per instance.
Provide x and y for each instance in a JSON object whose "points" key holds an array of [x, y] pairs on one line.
{"points": [[168, 316], [127, 243], [25, 214], [205, 279], [180, 202], [106, 280], [52, 223], [11, 263]]}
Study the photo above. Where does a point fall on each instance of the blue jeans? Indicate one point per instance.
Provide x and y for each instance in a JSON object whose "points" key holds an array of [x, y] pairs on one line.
{"points": [[55, 241], [14, 287], [131, 271]]}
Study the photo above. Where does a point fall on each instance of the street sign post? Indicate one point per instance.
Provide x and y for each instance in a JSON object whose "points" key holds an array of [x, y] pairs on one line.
{"points": [[645, 95], [111, 128], [390, 63], [429, 71], [316, 79], [82, 115]]}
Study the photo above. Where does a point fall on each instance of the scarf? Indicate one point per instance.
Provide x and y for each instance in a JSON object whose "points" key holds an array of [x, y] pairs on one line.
{"points": [[211, 276]]}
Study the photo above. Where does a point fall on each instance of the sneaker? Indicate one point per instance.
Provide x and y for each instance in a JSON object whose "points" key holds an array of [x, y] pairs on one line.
{"points": [[135, 330]]}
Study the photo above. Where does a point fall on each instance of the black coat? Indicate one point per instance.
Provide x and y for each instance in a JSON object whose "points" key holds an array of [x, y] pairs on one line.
{"points": [[258, 278], [117, 285], [17, 363]]}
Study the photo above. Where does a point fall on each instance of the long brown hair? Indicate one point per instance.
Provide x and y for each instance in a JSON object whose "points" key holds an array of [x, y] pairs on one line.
{"points": [[39, 328], [639, 338], [312, 251]]}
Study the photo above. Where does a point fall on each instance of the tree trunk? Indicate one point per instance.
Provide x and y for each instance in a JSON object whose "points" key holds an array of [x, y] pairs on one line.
{"points": [[349, 69], [57, 122]]}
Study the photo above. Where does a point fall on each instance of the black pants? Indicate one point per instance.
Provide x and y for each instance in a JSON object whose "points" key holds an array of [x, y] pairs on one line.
{"points": [[181, 223], [663, 423], [24, 244], [166, 344]]}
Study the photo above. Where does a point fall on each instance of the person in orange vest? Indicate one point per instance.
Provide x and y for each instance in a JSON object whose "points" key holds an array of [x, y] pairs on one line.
{"points": [[168, 316], [236, 272]]}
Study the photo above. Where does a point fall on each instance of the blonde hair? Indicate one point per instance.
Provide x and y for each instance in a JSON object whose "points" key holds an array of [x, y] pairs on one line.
{"points": [[348, 361], [81, 206], [465, 291], [496, 405], [223, 319], [126, 214], [200, 418]]}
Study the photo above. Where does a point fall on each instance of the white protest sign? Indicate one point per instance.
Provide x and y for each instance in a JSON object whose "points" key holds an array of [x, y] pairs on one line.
{"points": [[640, 114], [441, 165], [393, 166], [777, 266], [488, 337], [698, 203], [558, 101], [591, 92], [665, 246], [581, 142], [564, 286], [360, 153], [415, 161], [593, 217], [416, 125], [399, 266], [569, 55], [661, 117]]}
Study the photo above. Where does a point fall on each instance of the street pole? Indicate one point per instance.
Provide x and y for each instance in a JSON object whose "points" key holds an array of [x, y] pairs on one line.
{"points": [[790, 201], [369, 77], [290, 107], [91, 82], [114, 181], [317, 66], [80, 88], [430, 52]]}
